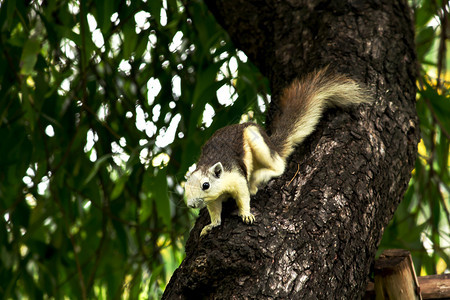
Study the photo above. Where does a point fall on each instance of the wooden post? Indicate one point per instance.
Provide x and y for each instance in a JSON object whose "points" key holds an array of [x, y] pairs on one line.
{"points": [[395, 277]]}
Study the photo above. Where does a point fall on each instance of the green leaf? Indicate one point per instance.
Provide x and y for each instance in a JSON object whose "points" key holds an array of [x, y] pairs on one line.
{"points": [[155, 186], [424, 13], [29, 56], [104, 13], [98, 163], [118, 187], [155, 9], [129, 39], [424, 41], [204, 81], [440, 104], [11, 6], [161, 196]]}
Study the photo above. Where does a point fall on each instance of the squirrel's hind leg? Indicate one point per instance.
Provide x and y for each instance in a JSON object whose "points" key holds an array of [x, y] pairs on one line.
{"points": [[266, 163], [263, 175]]}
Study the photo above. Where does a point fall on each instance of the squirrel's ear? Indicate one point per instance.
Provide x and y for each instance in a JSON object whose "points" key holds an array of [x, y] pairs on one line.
{"points": [[217, 169]]}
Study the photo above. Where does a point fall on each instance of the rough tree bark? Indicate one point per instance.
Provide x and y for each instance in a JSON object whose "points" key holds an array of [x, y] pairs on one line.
{"points": [[317, 236]]}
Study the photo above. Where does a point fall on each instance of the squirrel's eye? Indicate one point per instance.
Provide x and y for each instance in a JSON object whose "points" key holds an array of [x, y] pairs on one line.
{"points": [[205, 186]]}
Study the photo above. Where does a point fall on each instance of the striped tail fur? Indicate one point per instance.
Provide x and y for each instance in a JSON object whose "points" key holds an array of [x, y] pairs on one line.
{"points": [[303, 102]]}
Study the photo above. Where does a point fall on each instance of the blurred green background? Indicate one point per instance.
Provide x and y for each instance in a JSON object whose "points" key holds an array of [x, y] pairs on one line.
{"points": [[104, 105]]}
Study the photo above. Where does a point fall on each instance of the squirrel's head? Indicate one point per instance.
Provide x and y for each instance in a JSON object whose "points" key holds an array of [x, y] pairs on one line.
{"points": [[204, 185]]}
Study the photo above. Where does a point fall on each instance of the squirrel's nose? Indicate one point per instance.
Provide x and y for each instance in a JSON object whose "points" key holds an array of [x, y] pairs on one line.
{"points": [[191, 203], [195, 203]]}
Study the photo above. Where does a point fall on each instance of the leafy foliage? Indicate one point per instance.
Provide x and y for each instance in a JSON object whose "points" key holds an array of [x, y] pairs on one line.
{"points": [[103, 108], [100, 107]]}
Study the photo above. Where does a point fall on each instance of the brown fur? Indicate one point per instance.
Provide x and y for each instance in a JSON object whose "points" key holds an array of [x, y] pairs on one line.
{"points": [[226, 146]]}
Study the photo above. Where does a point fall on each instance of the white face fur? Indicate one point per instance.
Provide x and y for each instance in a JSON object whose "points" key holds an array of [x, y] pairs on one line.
{"points": [[203, 186]]}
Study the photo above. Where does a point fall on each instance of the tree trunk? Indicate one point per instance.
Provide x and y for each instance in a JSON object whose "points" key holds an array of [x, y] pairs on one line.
{"points": [[316, 230]]}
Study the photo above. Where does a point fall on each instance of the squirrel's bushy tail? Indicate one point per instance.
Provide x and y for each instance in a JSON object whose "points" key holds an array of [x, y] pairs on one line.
{"points": [[303, 102]]}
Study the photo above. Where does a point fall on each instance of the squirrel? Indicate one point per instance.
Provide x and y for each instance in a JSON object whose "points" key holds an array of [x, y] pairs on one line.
{"points": [[239, 158]]}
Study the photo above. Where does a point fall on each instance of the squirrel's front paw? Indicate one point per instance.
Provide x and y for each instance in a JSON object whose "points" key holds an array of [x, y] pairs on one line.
{"points": [[207, 229], [248, 218], [253, 190]]}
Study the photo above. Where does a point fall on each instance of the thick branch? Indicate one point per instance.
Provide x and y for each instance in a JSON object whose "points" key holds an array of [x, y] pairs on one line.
{"points": [[317, 237]]}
